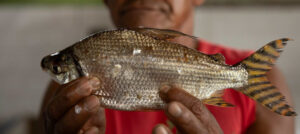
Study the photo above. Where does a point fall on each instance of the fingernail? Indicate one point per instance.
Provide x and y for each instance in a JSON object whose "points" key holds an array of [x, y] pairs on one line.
{"points": [[91, 103], [160, 130], [165, 88], [174, 109], [94, 82], [93, 130]]}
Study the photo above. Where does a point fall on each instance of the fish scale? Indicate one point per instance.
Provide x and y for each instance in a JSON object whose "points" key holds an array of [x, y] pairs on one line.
{"points": [[133, 64], [147, 79]]}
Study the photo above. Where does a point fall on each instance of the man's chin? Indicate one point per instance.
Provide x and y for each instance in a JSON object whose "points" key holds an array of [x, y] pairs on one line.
{"points": [[145, 19]]}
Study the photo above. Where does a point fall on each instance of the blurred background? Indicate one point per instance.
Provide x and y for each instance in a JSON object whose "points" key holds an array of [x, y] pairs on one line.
{"points": [[31, 29]]}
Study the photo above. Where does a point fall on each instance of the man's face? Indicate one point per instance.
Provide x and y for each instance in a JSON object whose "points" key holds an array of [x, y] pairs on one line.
{"points": [[168, 14]]}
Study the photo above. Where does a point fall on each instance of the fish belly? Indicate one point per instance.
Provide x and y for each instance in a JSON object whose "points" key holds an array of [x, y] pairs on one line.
{"points": [[132, 83]]}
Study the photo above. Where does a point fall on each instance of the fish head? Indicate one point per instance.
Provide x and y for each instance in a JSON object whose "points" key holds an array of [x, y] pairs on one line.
{"points": [[61, 66]]}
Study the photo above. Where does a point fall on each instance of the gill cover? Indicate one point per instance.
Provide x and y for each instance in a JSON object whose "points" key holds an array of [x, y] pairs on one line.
{"points": [[62, 66]]}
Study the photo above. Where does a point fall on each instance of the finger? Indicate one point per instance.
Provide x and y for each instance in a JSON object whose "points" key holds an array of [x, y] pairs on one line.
{"points": [[70, 95], [161, 129], [64, 86], [75, 118], [93, 130], [184, 120], [96, 120], [169, 94]]}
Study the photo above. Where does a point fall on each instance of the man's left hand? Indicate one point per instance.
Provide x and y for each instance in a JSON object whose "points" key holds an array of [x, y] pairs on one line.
{"points": [[187, 113]]}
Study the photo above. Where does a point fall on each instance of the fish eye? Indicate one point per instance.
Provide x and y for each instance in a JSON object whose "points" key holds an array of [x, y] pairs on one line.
{"points": [[56, 69]]}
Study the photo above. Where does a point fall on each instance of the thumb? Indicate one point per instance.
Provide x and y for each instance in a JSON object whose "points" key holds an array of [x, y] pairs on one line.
{"points": [[173, 93]]}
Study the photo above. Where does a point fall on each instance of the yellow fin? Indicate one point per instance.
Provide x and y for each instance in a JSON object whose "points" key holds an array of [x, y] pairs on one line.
{"points": [[259, 88], [269, 96], [217, 100]]}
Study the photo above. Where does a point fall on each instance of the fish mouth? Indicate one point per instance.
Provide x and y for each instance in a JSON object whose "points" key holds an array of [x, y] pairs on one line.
{"points": [[44, 63]]}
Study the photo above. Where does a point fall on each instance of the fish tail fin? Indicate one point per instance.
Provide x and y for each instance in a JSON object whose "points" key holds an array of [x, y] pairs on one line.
{"points": [[259, 87]]}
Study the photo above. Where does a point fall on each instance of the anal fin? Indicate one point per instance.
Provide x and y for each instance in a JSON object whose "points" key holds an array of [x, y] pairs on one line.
{"points": [[217, 100]]}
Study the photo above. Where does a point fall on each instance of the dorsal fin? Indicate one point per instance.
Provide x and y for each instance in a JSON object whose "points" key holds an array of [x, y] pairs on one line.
{"points": [[218, 57], [161, 33]]}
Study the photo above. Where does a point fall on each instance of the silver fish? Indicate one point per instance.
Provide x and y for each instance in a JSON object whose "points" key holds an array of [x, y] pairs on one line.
{"points": [[133, 64]]}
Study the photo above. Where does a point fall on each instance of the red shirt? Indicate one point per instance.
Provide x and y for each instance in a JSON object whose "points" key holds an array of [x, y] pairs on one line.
{"points": [[233, 120]]}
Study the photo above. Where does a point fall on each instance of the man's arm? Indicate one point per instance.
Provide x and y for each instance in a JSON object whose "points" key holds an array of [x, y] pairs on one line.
{"points": [[268, 122]]}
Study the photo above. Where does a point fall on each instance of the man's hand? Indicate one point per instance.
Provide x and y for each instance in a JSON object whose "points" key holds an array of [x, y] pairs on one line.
{"points": [[187, 113], [72, 109]]}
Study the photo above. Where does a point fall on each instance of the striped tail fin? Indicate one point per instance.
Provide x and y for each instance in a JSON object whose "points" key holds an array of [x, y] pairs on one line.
{"points": [[259, 87]]}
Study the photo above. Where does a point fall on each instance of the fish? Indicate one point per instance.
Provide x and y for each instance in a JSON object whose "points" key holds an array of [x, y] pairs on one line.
{"points": [[132, 64]]}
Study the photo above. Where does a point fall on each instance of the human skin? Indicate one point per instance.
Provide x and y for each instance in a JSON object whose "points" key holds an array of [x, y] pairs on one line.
{"points": [[193, 117]]}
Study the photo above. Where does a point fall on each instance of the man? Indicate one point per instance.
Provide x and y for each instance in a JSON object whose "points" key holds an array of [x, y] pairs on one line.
{"points": [[71, 108]]}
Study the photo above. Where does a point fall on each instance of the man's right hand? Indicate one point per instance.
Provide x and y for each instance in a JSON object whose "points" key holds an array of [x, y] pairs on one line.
{"points": [[72, 109]]}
